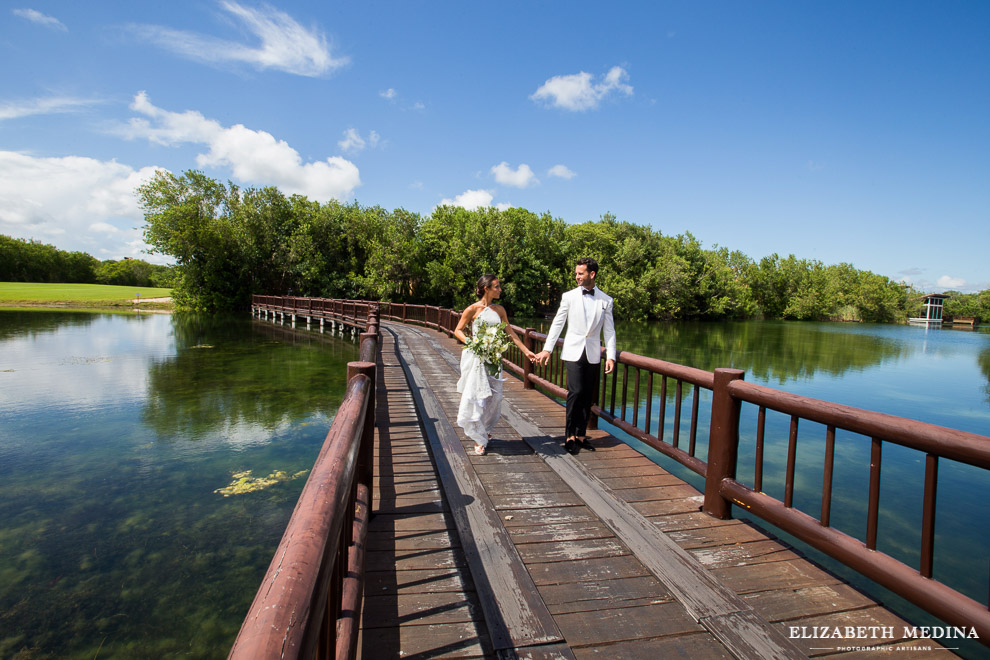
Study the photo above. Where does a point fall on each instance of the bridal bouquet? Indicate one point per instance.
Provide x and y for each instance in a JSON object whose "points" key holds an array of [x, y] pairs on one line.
{"points": [[488, 342]]}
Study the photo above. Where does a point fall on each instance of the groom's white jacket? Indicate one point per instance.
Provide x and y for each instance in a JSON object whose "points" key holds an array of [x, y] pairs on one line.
{"points": [[580, 335]]}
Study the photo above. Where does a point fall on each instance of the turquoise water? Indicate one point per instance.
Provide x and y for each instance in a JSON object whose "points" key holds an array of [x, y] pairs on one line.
{"points": [[115, 432]]}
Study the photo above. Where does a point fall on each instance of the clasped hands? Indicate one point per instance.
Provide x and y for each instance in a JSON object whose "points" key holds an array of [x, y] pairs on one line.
{"points": [[543, 357]]}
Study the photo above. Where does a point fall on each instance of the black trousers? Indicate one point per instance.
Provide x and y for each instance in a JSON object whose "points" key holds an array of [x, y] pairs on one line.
{"points": [[582, 381]]}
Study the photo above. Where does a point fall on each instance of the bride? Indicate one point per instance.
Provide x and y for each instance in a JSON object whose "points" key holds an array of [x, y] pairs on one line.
{"points": [[481, 394]]}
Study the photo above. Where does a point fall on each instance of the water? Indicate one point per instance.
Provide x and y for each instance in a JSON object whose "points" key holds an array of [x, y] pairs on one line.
{"points": [[115, 432]]}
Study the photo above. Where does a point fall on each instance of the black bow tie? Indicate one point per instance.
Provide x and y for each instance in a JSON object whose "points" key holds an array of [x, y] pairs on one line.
{"points": [[587, 292]]}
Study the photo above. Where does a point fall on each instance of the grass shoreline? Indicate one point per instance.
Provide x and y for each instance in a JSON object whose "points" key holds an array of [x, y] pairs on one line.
{"points": [[38, 295]]}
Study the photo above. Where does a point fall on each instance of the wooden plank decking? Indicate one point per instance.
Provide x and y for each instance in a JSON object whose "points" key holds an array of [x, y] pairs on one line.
{"points": [[530, 552]]}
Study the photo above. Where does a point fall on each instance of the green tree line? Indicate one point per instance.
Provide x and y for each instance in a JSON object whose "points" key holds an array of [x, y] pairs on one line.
{"points": [[230, 242], [976, 305], [33, 261]]}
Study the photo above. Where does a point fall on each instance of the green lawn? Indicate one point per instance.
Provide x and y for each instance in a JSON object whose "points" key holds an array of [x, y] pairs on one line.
{"points": [[86, 295]]}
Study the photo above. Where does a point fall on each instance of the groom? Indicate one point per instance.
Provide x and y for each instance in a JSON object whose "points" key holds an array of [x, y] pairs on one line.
{"points": [[587, 312]]}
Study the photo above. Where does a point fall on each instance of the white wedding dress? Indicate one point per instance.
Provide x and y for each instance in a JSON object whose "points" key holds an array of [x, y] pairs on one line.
{"points": [[481, 394]]}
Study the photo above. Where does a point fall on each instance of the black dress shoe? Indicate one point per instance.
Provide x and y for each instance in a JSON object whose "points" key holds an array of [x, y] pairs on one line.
{"points": [[585, 444], [570, 446]]}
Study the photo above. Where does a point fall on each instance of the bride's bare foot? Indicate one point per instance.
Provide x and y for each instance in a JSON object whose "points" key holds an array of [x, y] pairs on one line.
{"points": [[479, 450]]}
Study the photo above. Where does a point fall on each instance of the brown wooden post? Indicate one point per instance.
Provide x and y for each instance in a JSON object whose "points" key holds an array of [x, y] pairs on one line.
{"points": [[366, 454], [527, 365], [723, 443]]}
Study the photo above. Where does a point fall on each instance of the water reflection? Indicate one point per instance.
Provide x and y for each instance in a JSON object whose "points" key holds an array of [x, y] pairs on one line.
{"points": [[31, 323], [113, 543], [984, 362], [770, 352], [226, 377]]}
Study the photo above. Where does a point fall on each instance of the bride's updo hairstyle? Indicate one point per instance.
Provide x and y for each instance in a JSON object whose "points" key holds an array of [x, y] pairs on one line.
{"points": [[484, 282]]}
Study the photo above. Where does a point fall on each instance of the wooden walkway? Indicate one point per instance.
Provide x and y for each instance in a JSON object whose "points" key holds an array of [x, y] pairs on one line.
{"points": [[530, 552]]}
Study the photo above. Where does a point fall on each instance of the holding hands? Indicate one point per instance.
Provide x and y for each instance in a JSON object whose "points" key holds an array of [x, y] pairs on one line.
{"points": [[543, 357]]}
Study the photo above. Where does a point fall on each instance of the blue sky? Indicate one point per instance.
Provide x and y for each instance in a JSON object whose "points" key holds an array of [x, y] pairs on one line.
{"points": [[840, 131]]}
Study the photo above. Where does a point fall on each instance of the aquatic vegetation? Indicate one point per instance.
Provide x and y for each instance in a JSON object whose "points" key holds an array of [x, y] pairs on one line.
{"points": [[244, 483]]}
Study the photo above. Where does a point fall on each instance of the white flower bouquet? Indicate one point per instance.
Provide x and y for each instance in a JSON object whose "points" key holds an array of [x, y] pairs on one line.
{"points": [[488, 342]]}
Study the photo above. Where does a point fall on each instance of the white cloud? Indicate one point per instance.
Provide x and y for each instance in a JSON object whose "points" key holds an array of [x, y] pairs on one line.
{"points": [[504, 206], [254, 157], [948, 282], [561, 172], [88, 204], [470, 199], [389, 94], [103, 228], [43, 20], [46, 106], [521, 177], [578, 91], [285, 44], [353, 142]]}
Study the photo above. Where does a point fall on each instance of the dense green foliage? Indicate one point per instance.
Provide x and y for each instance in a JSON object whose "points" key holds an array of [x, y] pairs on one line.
{"points": [[230, 243], [33, 261], [976, 305]]}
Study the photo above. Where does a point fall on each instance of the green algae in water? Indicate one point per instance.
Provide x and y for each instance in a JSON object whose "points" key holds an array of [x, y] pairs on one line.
{"points": [[244, 483]]}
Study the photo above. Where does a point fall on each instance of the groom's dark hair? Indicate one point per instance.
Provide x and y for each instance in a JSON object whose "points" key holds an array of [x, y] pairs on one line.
{"points": [[590, 263]]}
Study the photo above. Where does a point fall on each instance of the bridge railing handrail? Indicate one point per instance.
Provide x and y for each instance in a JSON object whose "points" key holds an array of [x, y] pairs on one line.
{"points": [[309, 603], [722, 489]]}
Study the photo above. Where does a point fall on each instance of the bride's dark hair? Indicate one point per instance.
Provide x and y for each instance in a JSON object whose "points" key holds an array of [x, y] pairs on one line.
{"points": [[484, 282]]}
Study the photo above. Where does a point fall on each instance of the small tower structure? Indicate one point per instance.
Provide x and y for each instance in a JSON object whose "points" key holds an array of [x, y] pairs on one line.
{"points": [[933, 310]]}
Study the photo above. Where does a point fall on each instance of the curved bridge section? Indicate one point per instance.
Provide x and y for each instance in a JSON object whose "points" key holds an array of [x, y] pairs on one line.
{"points": [[531, 552]]}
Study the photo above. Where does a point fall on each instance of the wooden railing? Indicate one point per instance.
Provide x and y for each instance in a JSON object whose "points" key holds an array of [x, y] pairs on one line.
{"points": [[354, 313], [309, 603], [728, 393]]}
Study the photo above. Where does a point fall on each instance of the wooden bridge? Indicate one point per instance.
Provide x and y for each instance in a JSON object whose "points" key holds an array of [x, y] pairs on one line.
{"points": [[531, 552]]}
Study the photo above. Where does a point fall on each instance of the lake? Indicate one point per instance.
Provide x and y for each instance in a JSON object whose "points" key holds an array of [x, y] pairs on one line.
{"points": [[116, 432], [119, 432]]}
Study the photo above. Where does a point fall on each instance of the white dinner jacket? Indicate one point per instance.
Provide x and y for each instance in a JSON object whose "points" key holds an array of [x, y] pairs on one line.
{"points": [[580, 335]]}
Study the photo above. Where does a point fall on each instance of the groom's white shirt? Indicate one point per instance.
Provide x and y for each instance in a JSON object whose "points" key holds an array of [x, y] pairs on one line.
{"points": [[582, 335]]}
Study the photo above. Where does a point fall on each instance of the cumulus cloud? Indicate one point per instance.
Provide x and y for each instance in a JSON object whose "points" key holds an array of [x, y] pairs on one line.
{"points": [[88, 204], [470, 199], [353, 142], [389, 94], [579, 91], [521, 177], [38, 18], [254, 157], [103, 228], [561, 172], [285, 45], [45, 106], [949, 282]]}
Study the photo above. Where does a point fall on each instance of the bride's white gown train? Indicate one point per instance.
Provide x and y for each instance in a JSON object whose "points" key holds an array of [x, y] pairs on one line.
{"points": [[481, 394]]}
